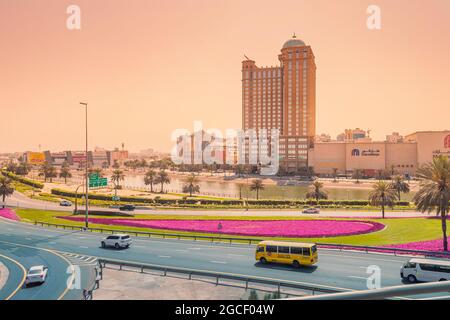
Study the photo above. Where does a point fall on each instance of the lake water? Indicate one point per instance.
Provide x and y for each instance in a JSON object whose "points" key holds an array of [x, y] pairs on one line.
{"points": [[231, 189]]}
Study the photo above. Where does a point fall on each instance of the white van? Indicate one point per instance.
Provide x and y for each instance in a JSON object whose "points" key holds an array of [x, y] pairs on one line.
{"points": [[426, 270]]}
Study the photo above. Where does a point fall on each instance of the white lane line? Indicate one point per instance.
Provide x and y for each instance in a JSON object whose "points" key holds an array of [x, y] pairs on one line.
{"points": [[164, 256], [236, 255], [356, 277], [138, 246], [194, 248], [181, 250], [28, 239], [219, 262], [360, 258], [84, 247], [52, 242]]}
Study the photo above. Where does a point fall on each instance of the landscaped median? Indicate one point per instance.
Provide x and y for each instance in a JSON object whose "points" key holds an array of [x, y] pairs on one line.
{"points": [[8, 214], [257, 228], [397, 231]]}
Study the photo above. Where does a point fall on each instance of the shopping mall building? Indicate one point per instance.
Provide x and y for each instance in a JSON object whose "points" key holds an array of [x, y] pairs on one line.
{"points": [[403, 156]]}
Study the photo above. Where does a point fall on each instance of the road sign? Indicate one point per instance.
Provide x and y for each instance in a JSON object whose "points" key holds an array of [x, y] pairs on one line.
{"points": [[96, 182]]}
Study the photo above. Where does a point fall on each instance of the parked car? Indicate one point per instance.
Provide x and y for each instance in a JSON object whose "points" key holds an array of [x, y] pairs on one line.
{"points": [[36, 274], [426, 270], [65, 203], [127, 207], [311, 210], [117, 241]]}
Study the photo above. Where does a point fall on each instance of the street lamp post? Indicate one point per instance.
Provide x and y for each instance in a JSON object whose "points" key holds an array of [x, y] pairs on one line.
{"points": [[87, 166]]}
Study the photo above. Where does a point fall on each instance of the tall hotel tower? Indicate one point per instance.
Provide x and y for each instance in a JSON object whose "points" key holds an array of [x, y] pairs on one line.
{"points": [[284, 98]]}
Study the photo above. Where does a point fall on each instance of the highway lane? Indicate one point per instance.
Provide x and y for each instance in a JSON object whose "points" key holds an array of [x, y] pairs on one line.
{"points": [[345, 270], [16, 277]]}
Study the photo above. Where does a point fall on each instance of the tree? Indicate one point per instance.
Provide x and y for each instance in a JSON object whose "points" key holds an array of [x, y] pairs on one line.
{"points": [[47, 171], [316, 192], [335, 171], [150, 179], [398, 183], [116, 165], [162, 178], [240, 186], [257, 185], [64, 172], [382, 195], [434, 192], [22, 169], [97, 171], [6, 188], [116, 177], [357, 175], [191, 186]]}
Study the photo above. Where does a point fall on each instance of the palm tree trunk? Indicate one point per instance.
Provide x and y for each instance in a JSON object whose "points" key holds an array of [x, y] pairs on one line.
{"points": [[399, 195], [151, 187], [162, 187], [257, 194], [4, 197], [444, 231]]}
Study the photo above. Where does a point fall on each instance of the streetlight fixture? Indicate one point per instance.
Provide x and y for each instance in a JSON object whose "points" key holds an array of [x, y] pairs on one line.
{"points": [[87, 166]]}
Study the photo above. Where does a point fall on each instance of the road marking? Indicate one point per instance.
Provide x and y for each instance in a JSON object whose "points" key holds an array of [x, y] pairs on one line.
{"points": [[219, 262], [182, 250], [138, 246], [84, 247], [28, 239], [356, 277], [361, 258], [194, 248], [236, 255], [71, 266], [23, 278], [165, 256]]}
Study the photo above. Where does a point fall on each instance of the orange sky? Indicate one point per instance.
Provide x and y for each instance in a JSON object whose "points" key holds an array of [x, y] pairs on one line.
{"points": [[147, 67]]}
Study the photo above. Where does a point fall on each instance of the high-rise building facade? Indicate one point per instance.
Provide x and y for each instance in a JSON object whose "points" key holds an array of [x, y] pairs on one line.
{"points": [[283, 98]]}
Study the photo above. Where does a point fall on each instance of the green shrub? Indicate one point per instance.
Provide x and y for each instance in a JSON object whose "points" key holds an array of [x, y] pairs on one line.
{"points": [[28, 182]]}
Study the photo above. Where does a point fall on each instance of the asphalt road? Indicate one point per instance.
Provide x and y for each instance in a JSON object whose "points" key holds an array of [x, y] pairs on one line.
{"points": [[28, 245], [21, 201]]}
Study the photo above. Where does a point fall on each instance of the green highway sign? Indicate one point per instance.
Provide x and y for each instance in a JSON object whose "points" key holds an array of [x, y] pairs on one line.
{"points": [[96, 182]]}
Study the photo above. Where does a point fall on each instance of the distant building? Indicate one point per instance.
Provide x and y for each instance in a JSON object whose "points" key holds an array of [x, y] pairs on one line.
{"points": [[401, 156], [283, 98], [353, 135], [395, 137]]}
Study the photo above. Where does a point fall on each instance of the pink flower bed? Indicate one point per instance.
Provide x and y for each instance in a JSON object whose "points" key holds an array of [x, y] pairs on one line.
{"points": [[266, 228], [432, 245], [9, 214]]}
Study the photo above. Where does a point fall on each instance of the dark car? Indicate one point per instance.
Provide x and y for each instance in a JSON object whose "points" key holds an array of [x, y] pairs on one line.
{"points": [[127, 207]]}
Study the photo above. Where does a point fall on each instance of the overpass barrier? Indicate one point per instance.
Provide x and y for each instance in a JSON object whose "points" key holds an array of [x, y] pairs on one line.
{"points": [[250, 241], [388, 292], [219, 278]]}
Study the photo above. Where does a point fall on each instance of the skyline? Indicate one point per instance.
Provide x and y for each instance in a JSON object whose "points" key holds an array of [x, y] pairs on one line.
{"points": [[168, 60]]}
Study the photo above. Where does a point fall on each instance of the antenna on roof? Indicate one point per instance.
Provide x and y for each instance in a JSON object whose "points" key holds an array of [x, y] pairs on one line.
{"points": [[294, 36], [247, 57]]}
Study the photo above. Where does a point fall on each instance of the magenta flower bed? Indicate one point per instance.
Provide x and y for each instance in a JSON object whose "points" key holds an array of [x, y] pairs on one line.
{"points": [[432, 245], [9, 214], [266, 228]]}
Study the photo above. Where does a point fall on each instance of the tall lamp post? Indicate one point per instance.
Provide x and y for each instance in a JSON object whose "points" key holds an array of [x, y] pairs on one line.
{"points": [[87, 166]]}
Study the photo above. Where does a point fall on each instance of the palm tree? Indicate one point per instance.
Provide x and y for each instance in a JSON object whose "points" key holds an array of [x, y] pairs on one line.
{"points": [[47, 171], [191, 185], [98, 171], [240, 186], [357, 175], [257, 185], [6, 188], [317, 192], [382, 195], [162, 178], [434, 192], [116, 177], [150, 179], [398, 183], [64, 172]]}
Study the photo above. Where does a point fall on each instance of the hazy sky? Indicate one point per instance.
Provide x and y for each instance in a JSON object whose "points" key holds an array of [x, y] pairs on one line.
{"points": [[147, 67]]}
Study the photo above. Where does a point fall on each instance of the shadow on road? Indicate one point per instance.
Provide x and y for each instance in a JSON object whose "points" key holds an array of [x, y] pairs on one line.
{"points": [[302, 269]]}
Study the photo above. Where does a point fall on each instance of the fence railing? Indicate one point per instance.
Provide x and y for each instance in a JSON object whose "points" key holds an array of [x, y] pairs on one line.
{"points": [[217, 277], [250, 241], [389, 292]]}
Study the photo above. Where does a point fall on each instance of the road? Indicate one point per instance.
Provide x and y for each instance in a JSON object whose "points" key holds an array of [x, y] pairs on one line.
{"points": [[21, 201], [29, 244]]}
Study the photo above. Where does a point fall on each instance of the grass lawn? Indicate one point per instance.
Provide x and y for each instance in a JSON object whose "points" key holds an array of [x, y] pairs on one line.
{"points": [[400, 230]]}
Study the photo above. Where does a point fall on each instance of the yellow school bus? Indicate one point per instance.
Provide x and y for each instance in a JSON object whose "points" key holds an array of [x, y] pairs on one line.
{"points": [[295, 253]]}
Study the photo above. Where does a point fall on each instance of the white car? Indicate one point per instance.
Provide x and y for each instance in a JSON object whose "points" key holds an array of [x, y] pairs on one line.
{"points": [[311, 210], [117, 241], [65, 203], [36, 274]]}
